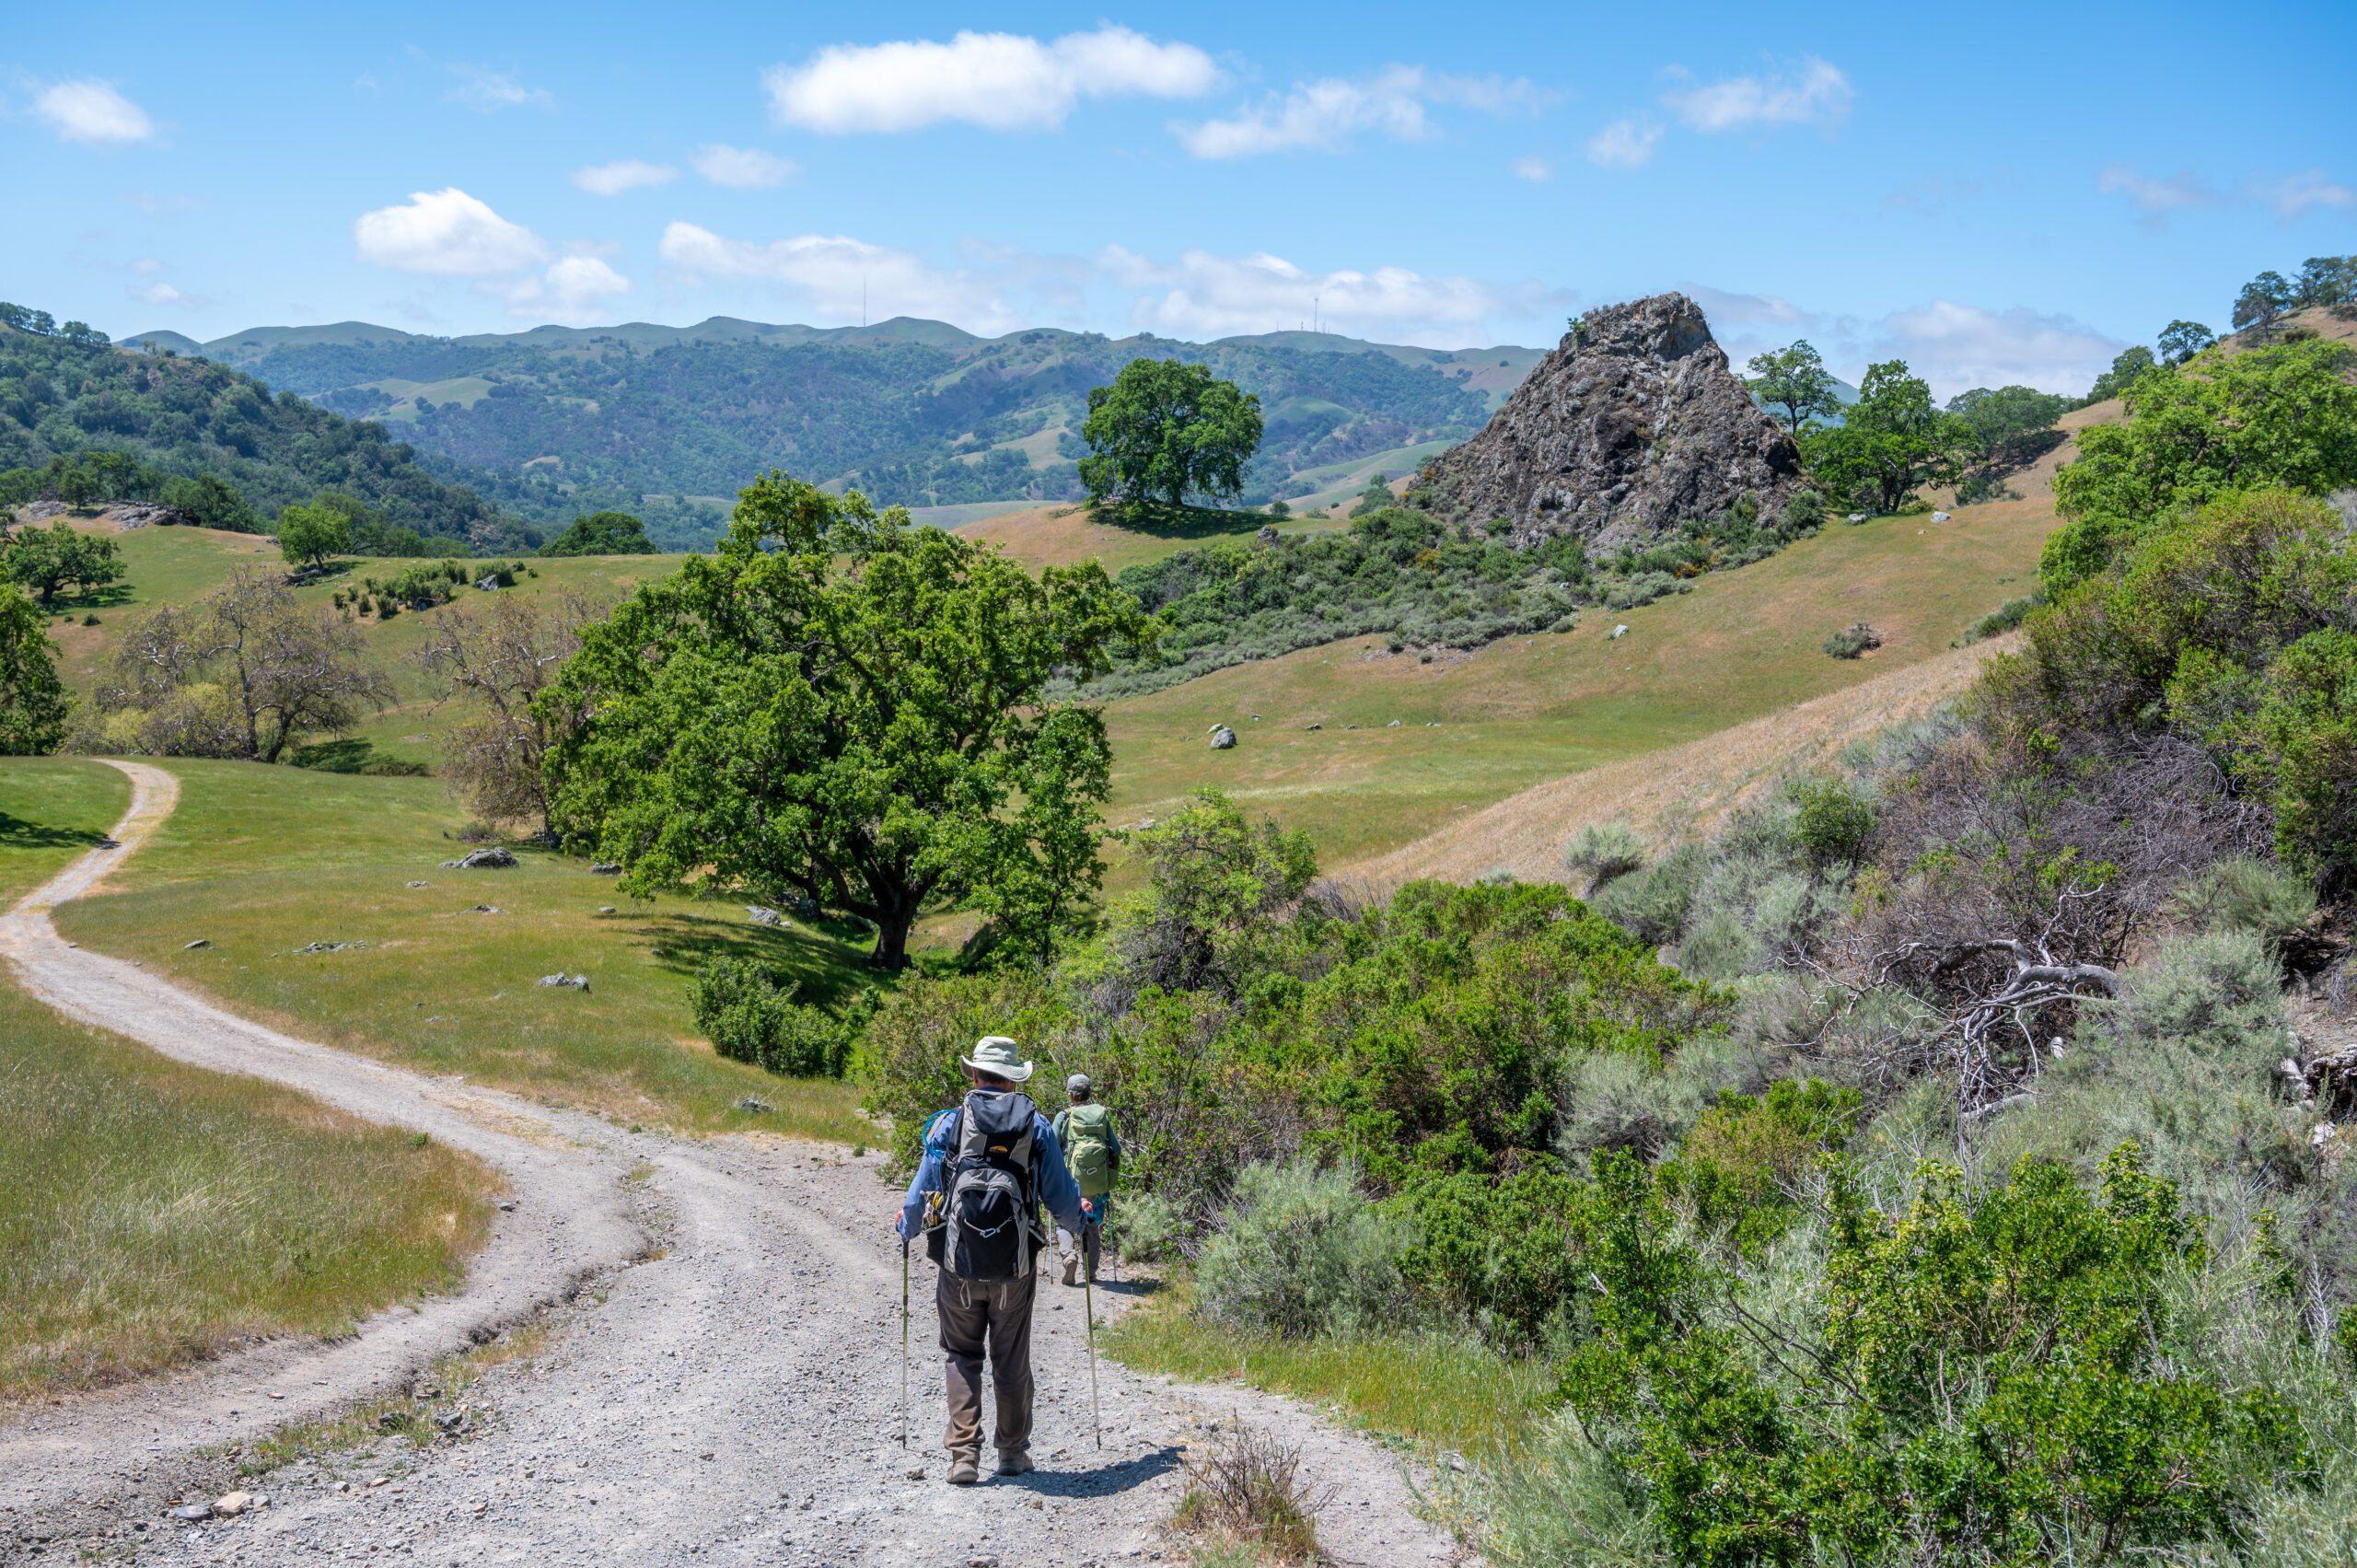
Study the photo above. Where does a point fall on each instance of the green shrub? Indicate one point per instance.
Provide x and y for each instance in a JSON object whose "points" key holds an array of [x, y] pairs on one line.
{"points": [[1853, 640], [1604, 852], [1742, 1168], [1502, 1254], [1654, 904], [1989, 1375], [2005, 618], [750, 1016], [2245, 893], [1147, 1226], [1833, 822], [906, 1059], [1301, 1250]]}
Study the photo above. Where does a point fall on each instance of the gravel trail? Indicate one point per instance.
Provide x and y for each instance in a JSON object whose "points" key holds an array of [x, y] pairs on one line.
{"points": [[721, 1383]]}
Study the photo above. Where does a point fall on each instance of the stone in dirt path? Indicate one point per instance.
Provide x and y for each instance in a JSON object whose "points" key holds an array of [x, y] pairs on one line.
{"points": [[734, 1398]]}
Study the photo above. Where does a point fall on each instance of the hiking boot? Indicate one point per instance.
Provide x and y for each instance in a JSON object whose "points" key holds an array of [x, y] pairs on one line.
{"points": [[1072, 1267], [964, 1470], [1015, 1461]]}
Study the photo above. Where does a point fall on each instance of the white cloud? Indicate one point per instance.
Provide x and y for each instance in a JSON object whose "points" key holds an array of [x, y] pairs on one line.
{"points": [[2156, 199], [999, 81], [487, 92], [1324, 115], [837, 277], [160, 293], [1624, 144], [743, 169], [1959, 347], [1204, 295], [1531, 166], [1819, 95], [1724, 310], [623, 174], [2296, 193], [573, 292], [446, 233], [93, 112], [145, 267]]}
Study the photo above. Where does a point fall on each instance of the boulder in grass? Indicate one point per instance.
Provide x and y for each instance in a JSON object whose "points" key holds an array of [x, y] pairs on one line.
{"points": [[569, 981], [491, 857], [761, 915], [606, 868], [1222, 738]]}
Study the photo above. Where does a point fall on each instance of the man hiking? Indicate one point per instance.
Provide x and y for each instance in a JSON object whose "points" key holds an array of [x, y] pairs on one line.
{"points": [[987, 1166], [1083, 1131]]}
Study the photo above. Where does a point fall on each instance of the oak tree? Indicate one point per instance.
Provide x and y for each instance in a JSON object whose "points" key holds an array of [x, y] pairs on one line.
{"points": [[1168, 429], [842, 705]]}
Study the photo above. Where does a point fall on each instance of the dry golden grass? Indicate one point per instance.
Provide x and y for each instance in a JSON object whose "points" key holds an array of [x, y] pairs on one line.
{"points": [[1063, 533], [1667, 792]]}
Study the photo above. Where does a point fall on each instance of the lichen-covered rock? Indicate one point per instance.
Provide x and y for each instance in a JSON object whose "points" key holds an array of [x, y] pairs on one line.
{"points": [[1631, 425]]}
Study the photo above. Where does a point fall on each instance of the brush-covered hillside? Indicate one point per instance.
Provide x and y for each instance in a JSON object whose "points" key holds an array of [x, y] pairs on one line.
{"points": [[67, 395], [913, 412]]}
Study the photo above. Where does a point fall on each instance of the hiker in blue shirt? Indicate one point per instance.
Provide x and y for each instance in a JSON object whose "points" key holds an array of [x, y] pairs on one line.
{"points": [[987, 1166]]}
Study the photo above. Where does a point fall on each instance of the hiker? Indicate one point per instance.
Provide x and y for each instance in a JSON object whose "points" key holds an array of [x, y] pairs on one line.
{"points": [[988, 1165], [1083, 1131]]}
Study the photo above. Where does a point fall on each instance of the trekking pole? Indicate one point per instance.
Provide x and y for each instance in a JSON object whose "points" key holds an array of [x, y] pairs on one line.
{"points": [[1088, 1311], [904, 1342]]}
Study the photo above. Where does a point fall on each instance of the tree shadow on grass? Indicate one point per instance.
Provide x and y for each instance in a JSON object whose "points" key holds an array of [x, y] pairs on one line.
{"points": [[354, 756], [1159, 519], [827, 967], [17, 834], [106, 597]]}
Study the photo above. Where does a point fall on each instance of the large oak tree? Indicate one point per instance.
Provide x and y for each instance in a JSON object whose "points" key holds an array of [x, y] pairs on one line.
{"points": [[842, 705]]}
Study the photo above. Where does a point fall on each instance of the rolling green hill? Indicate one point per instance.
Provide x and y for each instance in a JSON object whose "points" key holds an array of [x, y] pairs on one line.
{"points": [[63, 396], [670, 421]]}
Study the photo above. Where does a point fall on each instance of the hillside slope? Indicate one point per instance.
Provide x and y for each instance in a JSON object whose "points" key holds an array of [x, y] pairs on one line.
{"points": [[1476, 729], [1695, 782], [62, 397]]}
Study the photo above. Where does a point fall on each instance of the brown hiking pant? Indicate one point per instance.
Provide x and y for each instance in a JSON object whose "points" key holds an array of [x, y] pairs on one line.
{"points": [[996, 1314]]}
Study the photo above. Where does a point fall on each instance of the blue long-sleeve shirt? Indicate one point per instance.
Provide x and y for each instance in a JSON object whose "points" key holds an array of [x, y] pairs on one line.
{"points": [[1057, 1189]]}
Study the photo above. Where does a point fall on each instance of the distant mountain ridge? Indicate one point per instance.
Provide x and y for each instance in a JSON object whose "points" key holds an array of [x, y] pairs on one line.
{"points": [[672, 421]]}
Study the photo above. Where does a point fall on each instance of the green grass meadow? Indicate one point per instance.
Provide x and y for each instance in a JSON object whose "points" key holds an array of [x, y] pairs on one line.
{"points": [[152, 1212], [262, 861], [1432, 1391]]}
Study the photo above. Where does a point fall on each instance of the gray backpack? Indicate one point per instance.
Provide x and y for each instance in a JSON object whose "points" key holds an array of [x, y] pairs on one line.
{"points": [[991, 1189]]}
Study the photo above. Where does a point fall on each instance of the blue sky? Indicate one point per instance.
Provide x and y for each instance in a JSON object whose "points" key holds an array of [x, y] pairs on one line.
{"points": [[1997, 193]]}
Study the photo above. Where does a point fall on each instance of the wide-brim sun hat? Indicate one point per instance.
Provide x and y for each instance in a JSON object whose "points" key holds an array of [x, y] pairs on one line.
{"points": [[1000, 1057]]}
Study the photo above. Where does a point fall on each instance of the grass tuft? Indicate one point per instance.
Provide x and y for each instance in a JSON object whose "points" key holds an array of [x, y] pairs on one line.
{"points": [[1244, 1495]]}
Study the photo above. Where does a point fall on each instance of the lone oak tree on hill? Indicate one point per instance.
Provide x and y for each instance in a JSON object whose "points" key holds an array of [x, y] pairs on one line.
{"points": [[49, 560], [309, 535], [841, 704], [1164, 428]]}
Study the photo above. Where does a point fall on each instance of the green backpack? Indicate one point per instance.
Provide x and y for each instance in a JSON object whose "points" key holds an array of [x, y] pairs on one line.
{"points": [[1091, 1154]]}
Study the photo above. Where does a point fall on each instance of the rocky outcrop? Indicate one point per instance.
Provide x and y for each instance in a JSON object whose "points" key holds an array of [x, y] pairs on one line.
{"points": [[1631, 425]]}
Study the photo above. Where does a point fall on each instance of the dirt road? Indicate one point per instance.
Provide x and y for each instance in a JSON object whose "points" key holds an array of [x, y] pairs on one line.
{"points": [[722, 1385]]}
